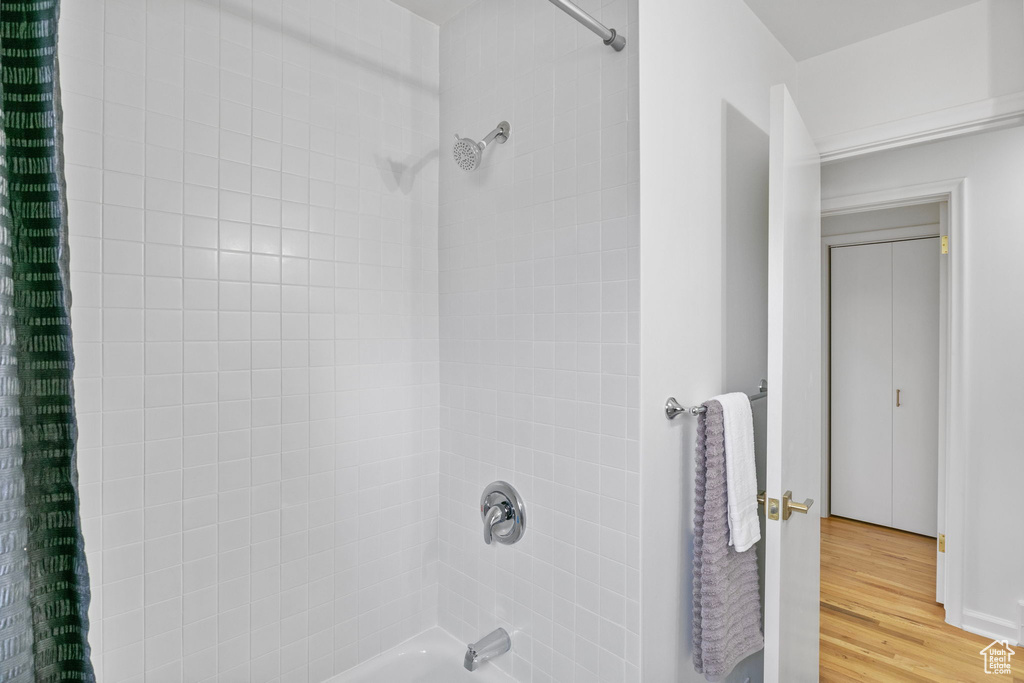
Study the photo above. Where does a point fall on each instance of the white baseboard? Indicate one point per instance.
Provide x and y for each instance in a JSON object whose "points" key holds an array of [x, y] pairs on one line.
{"points": [[1020, 618], [991, 627]]}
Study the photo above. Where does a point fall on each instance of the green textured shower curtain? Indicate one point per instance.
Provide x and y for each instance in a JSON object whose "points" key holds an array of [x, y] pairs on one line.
{"points": [[44, 583]]}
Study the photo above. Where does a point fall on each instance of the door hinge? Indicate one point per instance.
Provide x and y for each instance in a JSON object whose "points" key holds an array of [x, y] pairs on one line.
{"points": [[945, 244], [942, 543]]}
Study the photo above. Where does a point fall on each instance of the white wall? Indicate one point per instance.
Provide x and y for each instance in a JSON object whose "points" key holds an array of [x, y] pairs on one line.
{"points": [[964, 56], [695, 59], [882, 219], [993, 330], [539, 338], [255, 317]]}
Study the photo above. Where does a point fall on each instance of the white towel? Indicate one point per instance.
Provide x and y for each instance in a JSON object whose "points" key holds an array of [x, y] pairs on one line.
{"points": [[740, 471]]}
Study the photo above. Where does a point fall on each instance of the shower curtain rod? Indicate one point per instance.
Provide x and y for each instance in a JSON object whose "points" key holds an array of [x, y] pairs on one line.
{"points": [[608, 35]]}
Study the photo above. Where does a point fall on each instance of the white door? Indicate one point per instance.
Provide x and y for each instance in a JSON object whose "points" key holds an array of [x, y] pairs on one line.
{"points": [[861, 387], [885, 383], [792, 548], [915, 350]]}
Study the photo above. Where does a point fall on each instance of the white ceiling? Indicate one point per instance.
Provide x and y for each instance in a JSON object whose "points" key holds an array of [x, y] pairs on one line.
{"points": [[437, 11], [808, 28]]}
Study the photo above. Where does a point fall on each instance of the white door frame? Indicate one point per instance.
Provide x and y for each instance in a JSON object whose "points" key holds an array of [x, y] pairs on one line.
{"points": [[952, 192]]}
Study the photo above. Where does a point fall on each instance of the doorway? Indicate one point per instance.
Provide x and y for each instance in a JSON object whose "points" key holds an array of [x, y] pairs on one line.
{"points": [[880, 567], [885, 303], [891, 215], [884, 323]]}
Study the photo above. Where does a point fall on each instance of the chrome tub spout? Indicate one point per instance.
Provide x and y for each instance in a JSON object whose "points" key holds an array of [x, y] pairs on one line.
{"points": [[493, 644]]}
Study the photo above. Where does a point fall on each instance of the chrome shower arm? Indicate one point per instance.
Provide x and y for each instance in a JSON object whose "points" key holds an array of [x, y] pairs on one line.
{"points": [[500, 134]]}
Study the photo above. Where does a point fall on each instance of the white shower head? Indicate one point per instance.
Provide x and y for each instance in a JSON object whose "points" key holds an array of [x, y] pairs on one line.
{"points": [[467, 153]]}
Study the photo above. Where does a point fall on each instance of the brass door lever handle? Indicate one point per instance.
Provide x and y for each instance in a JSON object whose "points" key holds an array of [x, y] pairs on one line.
{"points": [[789, 507]]}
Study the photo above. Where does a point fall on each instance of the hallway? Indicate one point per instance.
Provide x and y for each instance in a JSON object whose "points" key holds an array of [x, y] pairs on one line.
{"points": [[879, 618]]}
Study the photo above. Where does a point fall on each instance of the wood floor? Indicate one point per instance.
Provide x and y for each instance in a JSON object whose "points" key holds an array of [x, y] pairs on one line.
{"points": [[879, 618]]}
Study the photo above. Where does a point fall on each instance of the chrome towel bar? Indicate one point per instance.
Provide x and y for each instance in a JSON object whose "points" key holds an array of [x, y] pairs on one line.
{"points": [[672, 407]]}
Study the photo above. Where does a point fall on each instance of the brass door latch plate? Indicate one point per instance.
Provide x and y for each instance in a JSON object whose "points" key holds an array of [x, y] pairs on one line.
{"points": [[772, 510]]}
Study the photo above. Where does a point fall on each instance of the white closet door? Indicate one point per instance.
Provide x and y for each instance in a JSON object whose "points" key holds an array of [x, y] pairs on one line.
{"points": [[861, 379], [915, 341]]}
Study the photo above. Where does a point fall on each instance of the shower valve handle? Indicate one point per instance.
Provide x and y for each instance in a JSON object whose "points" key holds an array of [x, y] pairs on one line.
{"points": [[503, 513], [495, 515]]}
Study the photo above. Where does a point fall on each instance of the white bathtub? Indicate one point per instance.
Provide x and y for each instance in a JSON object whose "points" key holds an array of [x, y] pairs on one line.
{"points": [[431, 657]]}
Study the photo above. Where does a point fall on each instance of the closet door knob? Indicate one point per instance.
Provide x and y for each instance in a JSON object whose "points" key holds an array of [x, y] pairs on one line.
{"points": [[897, 398]]}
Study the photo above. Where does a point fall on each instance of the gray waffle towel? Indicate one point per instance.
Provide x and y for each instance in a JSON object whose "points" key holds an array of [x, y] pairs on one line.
{"points": [[726, 598]]}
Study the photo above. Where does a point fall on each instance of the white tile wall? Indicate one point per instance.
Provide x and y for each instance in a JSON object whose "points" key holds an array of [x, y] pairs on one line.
{"points": [[253, 200], [255, 252], [539, 329]]}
